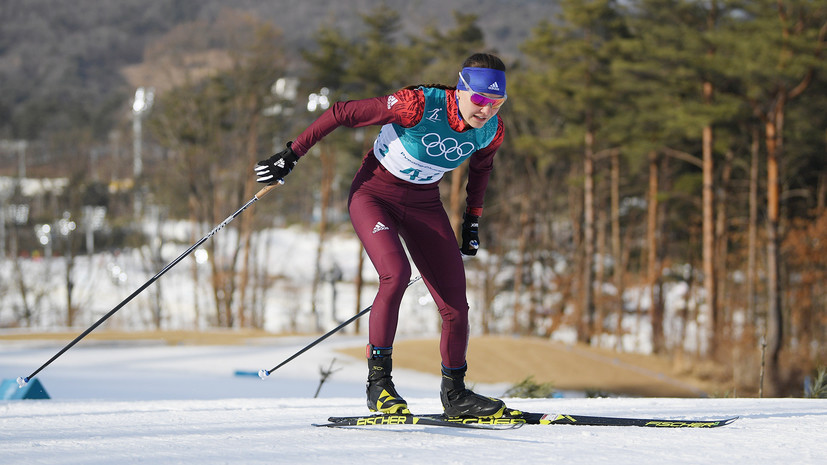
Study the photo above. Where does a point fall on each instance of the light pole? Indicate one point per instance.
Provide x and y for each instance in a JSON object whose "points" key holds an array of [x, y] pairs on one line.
{"points": [[141, 105], [3, 225], [44, 236], [65, 227], [93, 218], [320, 102], [20, 216]]}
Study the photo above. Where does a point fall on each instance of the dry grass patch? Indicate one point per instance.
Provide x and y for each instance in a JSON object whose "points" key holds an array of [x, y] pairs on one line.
{"points": [[499, 359]]}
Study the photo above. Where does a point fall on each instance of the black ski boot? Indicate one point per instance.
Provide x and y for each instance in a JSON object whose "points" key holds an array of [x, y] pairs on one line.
{"points": [[459, 401], [382, 395]]}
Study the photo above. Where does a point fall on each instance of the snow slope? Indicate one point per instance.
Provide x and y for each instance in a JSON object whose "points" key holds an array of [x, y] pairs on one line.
{"points": [[152, 403]]}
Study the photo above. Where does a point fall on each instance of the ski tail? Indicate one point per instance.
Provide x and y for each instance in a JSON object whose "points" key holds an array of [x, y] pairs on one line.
{"points": [[586, 420]]}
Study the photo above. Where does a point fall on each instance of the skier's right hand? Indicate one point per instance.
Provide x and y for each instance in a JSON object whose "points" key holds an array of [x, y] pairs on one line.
{"points": [[275, 168]]}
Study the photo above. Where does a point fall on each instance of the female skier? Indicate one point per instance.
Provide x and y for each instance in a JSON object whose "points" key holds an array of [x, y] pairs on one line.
{"points": [[426, 132]]}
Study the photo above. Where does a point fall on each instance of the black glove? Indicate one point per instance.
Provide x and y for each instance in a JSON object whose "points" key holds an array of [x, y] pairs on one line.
{"points": [[470, 234], [275, 168]]}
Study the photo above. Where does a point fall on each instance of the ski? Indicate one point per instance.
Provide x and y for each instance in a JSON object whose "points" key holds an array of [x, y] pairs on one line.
{"points": [[409, 419], [515, 419]]}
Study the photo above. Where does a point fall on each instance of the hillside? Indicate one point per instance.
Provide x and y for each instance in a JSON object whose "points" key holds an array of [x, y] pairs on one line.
{"points": [[61, 62]]}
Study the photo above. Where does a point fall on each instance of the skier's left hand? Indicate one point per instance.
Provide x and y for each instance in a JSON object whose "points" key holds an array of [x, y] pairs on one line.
{"points": [[470, 234]]}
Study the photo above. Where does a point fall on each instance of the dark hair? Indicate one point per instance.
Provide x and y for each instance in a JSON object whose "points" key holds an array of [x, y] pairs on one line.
{"points": [[477, 60], [484, 60]]}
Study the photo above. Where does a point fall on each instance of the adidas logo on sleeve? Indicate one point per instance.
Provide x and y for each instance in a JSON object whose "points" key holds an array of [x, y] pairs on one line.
{"points": [[392, 101], [380, 227]]}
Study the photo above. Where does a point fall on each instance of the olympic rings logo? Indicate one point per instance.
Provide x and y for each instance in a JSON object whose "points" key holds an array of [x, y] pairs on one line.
{"points": [[450, 148]]}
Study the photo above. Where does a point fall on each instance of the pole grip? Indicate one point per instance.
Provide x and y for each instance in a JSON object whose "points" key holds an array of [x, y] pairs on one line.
{"points": [[266, 189]]}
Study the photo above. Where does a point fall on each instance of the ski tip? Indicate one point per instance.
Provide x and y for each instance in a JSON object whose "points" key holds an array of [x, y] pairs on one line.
{"points": [[21, 381], [263, 373]]}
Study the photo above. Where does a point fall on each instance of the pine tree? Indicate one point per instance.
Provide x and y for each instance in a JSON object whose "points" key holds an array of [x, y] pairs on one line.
{"points": [[780, 60], [575, 59]]}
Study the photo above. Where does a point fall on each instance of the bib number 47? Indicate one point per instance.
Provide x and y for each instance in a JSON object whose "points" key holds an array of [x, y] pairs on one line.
{"points": [[413, 175]]}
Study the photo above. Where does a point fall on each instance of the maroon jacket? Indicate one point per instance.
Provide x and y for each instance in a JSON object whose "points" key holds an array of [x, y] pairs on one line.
{"points": [[406, 112]]}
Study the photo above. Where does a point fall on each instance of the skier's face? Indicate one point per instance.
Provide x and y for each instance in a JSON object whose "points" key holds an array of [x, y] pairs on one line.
{"points": [[475, 115]]}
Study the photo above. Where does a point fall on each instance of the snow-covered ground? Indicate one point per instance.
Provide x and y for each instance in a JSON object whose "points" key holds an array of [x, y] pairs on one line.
{"points": [[147, 402]]}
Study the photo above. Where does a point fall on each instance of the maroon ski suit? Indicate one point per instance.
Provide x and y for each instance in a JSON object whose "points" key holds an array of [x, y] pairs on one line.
{"points": [[384, 208]]}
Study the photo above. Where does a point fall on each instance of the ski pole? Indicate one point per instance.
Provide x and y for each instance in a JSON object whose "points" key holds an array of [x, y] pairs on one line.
{"points": [[21, 381], [265, 373]]}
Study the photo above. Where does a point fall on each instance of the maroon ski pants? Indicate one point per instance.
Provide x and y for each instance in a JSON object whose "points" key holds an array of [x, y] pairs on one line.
{"points": [[384, 211]]}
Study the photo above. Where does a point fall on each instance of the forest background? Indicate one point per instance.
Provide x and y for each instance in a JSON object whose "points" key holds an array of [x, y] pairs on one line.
{"points": [[651, 145]]}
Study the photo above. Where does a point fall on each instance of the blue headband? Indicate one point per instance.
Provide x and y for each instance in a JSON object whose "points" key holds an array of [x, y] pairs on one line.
{"points": [[483, 80]]}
